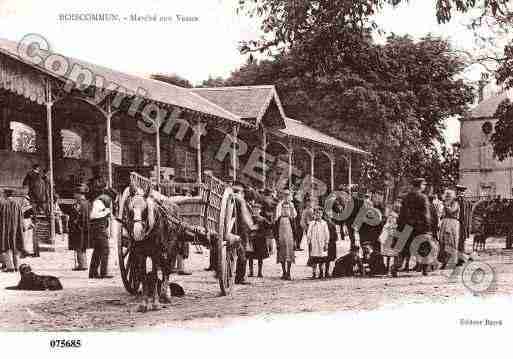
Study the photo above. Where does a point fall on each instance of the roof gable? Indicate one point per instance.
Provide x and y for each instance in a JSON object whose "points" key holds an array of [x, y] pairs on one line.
{"points": [[250, 103]]}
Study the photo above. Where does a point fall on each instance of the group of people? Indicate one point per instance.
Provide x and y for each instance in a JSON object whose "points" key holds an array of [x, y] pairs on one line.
{"points": [[430, 226], [285, 222], [88, 222]]}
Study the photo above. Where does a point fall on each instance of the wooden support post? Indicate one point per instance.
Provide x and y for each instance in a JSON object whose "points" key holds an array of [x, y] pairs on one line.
{"points": [[312, 171], [235, 131], [332, 172], [49, 106], [198, 151], [157, 153], [108, 124], [290, 153], [349, 175], [264, 158]]}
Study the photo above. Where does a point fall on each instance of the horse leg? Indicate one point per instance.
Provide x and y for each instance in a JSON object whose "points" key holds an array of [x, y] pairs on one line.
{"points": [[154, 291]]}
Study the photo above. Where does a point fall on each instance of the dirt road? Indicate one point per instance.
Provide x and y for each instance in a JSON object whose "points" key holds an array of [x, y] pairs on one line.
{"points": [[87, 304]]}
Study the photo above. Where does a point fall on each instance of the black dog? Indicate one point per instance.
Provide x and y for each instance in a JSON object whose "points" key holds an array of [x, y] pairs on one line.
{"points": [[176, 290], [31, 281]]}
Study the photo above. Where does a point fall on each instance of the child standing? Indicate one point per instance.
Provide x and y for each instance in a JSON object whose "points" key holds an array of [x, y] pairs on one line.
{"points": [[284, 234], [318, 236], [257, 244]]}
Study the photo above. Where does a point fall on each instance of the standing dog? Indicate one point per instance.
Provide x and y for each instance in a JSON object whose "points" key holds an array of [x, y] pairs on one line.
{"points": [[32, 281]]}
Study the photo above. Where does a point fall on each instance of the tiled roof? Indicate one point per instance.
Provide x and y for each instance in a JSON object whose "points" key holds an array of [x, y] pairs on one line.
{"points": [[299, 130], [247, 102], [487, 108], [156, 90]]}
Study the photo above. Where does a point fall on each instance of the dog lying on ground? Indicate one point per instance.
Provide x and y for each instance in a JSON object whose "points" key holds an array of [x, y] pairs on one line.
{"points": [[32, 281], [176, 290]]}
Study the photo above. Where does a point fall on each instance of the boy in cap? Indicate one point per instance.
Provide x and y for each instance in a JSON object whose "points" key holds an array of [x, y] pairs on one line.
{"points": [[79, 239], [257, 245]]}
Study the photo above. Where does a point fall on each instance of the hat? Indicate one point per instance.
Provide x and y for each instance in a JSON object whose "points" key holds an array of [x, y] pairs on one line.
{"points": [[460, 187], [418, 181]]}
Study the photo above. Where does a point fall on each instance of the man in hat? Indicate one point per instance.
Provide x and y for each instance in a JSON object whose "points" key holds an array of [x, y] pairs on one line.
{"points": [[242, 230], [465, 219], [37, 190], [416, 214], [100, 221], [79, 239]]}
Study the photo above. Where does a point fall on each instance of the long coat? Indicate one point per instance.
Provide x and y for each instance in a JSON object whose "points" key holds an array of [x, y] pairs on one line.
{"points": [[416, 213], [79, 233], [36, 184], [11, 226]]}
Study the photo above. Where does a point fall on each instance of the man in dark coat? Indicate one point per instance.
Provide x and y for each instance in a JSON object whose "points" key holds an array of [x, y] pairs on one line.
{"points": [[415, 214], [37, 190], [79, 238], [243, 231], [465, 221], [100, 221], [357, 203]]}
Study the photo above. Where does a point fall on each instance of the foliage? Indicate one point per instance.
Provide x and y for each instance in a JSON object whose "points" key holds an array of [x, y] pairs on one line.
{"points": [[25, 141], [72, 149], [390, 99], [213, 82], [502, 137], [172, 79]]}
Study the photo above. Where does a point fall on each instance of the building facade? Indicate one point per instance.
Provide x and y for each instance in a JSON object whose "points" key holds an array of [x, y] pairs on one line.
{"points": [[480, 172]]}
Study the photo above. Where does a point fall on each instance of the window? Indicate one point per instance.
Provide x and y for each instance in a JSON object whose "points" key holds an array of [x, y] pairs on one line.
{"points": [[185, 162], [71, 144], [23, 138], [189, 169]]}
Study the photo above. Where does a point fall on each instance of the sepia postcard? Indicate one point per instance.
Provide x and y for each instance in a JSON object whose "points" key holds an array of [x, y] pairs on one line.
{"points": [[247, 178]]}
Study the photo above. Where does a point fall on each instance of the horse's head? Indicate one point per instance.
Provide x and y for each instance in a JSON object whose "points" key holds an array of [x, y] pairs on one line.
{"points": [[141, 216]]}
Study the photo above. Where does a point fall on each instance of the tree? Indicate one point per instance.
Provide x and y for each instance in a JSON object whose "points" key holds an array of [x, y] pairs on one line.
{"points": [[390, 99], [213, 82], [502, 138], [172, 79]]}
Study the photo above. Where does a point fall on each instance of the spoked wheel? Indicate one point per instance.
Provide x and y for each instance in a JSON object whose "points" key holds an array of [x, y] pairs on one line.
{"points": [[226, 244], [128, 264]]}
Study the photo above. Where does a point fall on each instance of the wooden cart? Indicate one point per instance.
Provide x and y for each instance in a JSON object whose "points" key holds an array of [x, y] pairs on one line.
{"points": [[208, 219]]}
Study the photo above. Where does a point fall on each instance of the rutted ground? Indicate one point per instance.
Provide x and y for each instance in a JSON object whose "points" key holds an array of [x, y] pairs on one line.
{"points": [[104, 305]]}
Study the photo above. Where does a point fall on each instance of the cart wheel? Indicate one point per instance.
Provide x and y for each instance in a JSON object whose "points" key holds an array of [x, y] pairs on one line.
{"points": [[226, 255], [128, 264]]}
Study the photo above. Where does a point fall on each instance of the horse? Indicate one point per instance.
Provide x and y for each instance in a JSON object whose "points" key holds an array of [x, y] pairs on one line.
{"points": [[145, 216]]}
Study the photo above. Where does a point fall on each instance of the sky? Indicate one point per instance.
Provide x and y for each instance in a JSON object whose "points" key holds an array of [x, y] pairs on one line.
{"points": [[194, 50]]}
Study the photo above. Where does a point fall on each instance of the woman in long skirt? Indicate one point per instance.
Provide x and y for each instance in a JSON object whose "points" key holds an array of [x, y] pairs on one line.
{"points": [[449, 228], [284, 234]]}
